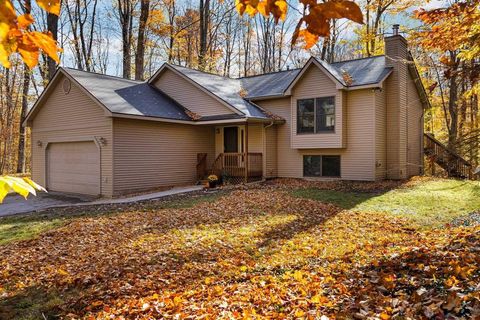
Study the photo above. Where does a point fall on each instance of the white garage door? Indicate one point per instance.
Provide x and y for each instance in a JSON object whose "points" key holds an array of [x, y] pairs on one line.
{"points": [[74, 167]]}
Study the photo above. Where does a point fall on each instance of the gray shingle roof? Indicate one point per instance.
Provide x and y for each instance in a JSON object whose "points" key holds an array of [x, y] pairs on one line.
{"points": [[142, 99], [270, 84], [128, 96], [227, 89], [364, 71]]}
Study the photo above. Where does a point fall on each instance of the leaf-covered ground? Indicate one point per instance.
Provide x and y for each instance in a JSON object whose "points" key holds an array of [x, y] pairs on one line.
{"points": [[261, 252]]}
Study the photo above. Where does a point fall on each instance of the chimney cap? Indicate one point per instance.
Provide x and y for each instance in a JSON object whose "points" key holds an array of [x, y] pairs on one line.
{"points": [[396, 27]]}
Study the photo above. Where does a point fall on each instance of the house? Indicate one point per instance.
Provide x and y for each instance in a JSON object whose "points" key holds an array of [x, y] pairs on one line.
{"points": [[354, 120]]}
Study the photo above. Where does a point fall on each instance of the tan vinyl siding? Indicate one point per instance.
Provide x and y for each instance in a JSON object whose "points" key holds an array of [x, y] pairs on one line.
{"points": [[357, 160], [154, 154], [288, 159], [315, 84], [396, 101], [255, 138], [380, 135], [188, 95], [414, 130], [271, 152], [67, 118]]}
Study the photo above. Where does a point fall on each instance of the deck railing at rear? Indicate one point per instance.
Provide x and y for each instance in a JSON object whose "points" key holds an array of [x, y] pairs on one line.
{"points": [[449, 160], [201, 165], [238, 167]]}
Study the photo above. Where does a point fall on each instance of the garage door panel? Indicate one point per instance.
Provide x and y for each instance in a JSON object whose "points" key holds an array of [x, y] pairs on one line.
{"points": [[74, 167]]}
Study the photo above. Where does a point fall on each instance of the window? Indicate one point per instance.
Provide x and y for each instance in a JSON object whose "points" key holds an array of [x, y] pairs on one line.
{"points": [[321, 166], [306, 116], [325, 109], [316, 115]]}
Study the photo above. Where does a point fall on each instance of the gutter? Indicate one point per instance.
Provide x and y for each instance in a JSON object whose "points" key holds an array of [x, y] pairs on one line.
{"points": [[189, 122]]}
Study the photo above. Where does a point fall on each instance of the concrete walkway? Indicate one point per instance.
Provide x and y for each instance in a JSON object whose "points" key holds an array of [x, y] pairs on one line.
{"points": [[15, 204], [143, 197]]}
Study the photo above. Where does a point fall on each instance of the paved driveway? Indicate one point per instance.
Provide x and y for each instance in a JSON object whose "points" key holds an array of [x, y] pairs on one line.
{"points": [[14, 204]]}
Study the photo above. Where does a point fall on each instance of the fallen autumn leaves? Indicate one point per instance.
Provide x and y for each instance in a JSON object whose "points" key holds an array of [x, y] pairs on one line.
{"points": [[254, 253]]}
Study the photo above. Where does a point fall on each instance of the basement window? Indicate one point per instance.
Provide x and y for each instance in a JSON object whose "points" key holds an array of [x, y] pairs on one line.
{"points": [[321, 166]]}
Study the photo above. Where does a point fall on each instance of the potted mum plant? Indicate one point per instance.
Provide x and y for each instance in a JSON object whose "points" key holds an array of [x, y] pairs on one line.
{"points": [[212, 181]]}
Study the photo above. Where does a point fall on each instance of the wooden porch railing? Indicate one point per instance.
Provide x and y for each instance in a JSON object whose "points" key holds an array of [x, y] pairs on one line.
{"points": [[201, 165], [449, 160], [238, 167]]}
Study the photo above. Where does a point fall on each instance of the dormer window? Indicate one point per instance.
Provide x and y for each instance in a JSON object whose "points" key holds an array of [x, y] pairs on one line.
{"points": [[316, 115]]}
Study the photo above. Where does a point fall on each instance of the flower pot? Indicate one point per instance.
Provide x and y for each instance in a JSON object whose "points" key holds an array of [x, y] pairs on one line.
{"points": [[212, 184]]}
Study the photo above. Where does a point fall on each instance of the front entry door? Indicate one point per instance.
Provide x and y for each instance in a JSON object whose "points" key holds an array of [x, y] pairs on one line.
{"points": [[230, 139]]}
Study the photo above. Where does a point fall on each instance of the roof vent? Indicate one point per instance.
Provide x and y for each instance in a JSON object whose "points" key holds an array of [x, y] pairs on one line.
{"points": [[395, 29], [66, 86]]}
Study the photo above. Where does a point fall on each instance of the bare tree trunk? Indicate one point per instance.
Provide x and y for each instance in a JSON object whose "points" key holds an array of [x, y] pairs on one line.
{"points": [[22, 131], [125, 10], [82, 37], [453, 103], [52, 26], [204, 27], [453, 112], [172, 13], [140, 52]]}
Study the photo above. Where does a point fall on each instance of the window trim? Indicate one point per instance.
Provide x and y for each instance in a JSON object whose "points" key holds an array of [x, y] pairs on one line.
{"points": [[321, 165], [315, 131]]}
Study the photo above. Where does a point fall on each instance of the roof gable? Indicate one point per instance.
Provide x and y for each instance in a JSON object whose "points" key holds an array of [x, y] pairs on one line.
{"points": [[131, 97], [324, 67], [60, 73], [228, 91], [117, 96]]}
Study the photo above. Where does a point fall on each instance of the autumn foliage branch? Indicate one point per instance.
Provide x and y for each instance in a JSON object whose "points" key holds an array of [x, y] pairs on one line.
{"points": [[316, 19], [16, 37]]}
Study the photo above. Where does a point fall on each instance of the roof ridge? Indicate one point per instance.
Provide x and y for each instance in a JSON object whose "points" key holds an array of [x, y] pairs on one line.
{"points": [[105, 75], [205, 72], [267, 73], [364, 58], [231, 78]]}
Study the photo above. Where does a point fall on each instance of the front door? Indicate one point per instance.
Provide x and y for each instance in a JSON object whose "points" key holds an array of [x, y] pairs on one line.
{"points": [[230, 140]]}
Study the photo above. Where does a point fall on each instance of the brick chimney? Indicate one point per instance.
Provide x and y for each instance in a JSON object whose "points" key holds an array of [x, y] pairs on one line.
{"points": [[396, 54]]}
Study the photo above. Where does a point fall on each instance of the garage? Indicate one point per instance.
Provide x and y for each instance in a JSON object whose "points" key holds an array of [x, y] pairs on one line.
{"points": [[73, 167]]}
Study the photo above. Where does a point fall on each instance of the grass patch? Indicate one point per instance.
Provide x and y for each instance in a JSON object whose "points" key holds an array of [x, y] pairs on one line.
{"points": [[29, 226], [429, 203], [26, 226], [33, 303]]}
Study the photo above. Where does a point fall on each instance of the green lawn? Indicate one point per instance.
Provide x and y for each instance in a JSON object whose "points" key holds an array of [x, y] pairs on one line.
{"points": [[28, 226], [428, 203]]}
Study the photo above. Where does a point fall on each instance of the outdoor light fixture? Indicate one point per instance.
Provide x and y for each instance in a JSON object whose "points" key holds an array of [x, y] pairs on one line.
{"points": [[102, 141], [39, 143]]}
